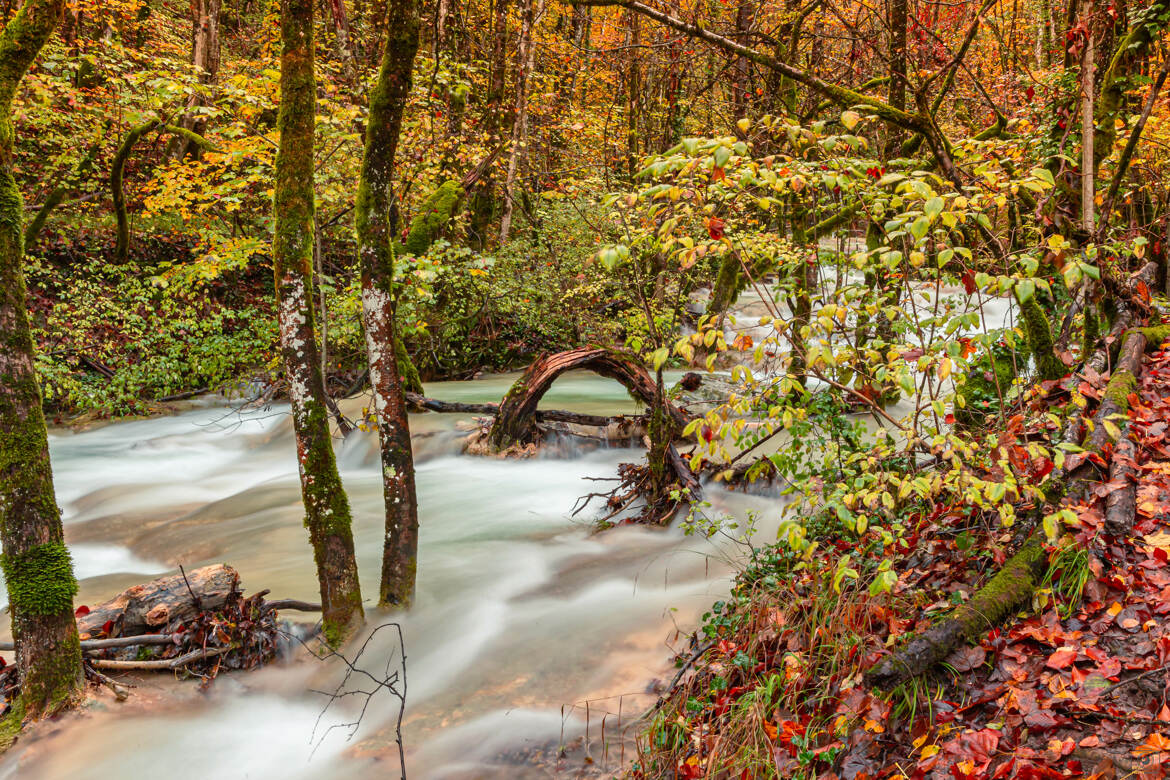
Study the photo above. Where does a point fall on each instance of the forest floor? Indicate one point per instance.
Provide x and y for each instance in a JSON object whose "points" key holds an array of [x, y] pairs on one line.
{"points": [[1076, 686]]}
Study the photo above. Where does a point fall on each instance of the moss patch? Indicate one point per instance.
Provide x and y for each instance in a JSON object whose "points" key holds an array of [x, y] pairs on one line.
{"points": [[40, 580], [433, 217]]}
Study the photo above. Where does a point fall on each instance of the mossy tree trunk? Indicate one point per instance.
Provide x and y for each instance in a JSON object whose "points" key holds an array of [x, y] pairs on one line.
{"points": [[376, 253], [327, 512], [36, 564]]}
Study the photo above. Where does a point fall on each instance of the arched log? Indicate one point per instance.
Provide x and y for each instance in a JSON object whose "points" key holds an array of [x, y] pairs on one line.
{"points": [[516, 421]]}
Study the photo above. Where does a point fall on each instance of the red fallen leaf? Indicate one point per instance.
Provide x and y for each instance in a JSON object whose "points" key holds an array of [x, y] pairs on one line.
{"points": [[969, 282], [1041, 720], [107, 627], [718, 174], [1062, 658], [715, 228], [80, 611], [1030, 93], [1090, 741]]}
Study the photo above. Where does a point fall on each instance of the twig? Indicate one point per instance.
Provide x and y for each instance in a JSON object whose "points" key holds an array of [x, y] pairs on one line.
{"points": [[162, 663]]}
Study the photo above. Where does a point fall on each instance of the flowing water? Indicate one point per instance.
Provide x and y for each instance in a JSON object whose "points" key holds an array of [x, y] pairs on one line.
{"points": [[529, 632], [527, 627]]}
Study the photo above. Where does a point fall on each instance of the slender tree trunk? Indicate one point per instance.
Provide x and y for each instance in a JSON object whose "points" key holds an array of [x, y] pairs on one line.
{"points": [[36, 564], [525, 60], [205, 57], [1088, 158], [483, 197], [376, 253], [327, 513], [745, 17], [633, 94], [897, 96]]}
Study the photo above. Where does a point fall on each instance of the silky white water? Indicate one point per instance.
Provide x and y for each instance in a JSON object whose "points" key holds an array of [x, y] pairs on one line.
{"points": [[523, 617]]}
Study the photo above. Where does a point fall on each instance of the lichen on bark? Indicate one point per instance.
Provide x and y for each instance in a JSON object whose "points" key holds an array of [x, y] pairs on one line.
{"points": [[390, 365], [327, 512]]}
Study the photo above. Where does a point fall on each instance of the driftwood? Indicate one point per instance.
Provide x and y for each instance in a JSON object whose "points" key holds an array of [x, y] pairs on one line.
{"points": [[516, 419], [179, 661], [167, 601]]}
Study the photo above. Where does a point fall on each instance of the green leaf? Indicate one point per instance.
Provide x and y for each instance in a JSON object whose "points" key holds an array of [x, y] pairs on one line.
{"points": [[1044, 175], [933, 207], [919, 227], [1025, 289]]}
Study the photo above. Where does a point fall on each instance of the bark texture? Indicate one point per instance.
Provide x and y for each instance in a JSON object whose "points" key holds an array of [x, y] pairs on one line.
{"points": [[37, 567], [327, 512], [376, 253], [161, 604]]}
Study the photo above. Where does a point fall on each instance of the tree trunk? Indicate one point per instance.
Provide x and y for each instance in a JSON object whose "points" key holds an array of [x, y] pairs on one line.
{"points": [[205, 58], [633, 95], [36, 564], [530, 10], [482, 200], [117, 169], [897, 96], [376, 253], [1088, 157], [327, 513], [745, 17]]}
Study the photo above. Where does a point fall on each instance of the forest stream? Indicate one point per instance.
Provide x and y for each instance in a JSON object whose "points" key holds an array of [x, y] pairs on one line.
{"points": [[524, 618]]}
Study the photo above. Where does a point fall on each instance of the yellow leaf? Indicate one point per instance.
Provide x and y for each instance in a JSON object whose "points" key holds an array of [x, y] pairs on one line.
{"points": [[1161, 540], [929, 751]]}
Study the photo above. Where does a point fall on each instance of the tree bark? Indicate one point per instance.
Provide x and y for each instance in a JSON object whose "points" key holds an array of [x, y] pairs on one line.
{"points": [[327, 512], [897, 95], [530, 10], [161, 604], [376, 254], [205, 58], [37, 566], [482, 201]]}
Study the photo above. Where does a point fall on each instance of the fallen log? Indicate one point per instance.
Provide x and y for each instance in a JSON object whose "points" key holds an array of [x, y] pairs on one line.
{"points": [[991, 604], [154, 606], [1121, 503]]}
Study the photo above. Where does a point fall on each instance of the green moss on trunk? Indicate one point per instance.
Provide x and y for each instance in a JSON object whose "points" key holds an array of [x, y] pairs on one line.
{"points": [[327, 512], [40, 578], [1039, 335], [433, 216]]}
